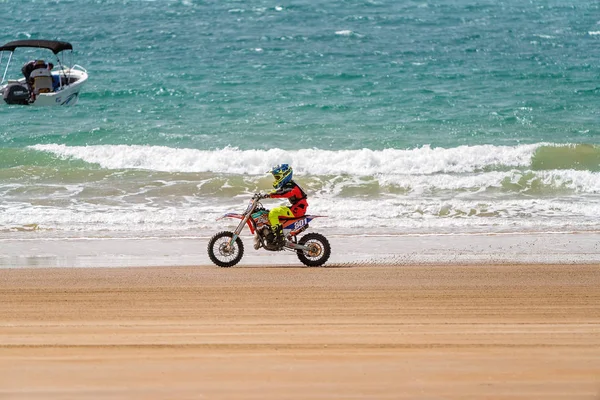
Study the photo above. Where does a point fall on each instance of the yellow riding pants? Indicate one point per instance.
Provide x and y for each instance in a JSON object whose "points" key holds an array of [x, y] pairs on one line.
{"points": [[275, 213]]}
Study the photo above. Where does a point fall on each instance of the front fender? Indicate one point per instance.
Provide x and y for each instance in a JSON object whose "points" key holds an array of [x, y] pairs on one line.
{"points": [[231, 215], [238, 216]]}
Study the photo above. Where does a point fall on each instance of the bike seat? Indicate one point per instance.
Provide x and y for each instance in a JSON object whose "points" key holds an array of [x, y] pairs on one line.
{"points": [[284, 218]]}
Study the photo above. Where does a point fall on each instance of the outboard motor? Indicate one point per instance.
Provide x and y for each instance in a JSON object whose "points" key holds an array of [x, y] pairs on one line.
{"points": [[15, 93]]}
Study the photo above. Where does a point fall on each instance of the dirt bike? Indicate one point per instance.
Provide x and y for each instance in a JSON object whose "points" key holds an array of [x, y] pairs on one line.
{"points": [[226, 248]]}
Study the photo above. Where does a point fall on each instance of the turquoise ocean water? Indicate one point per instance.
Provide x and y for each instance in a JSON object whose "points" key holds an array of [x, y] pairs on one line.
{"points": [[397, 116]]}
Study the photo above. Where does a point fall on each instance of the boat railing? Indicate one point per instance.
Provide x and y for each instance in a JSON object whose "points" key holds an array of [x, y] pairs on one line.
{"points": [[7, 64], [79, 67]]}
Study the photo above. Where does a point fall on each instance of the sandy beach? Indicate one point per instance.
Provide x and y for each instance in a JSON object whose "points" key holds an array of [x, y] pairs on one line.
{"points": [[448, 151], [258, 332]]}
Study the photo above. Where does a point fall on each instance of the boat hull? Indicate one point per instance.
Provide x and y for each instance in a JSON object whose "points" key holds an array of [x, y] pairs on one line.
{"points": [[68, 95]]}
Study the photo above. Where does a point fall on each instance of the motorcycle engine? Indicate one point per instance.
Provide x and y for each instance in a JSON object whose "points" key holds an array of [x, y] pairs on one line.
{"points": [[267, 233]]}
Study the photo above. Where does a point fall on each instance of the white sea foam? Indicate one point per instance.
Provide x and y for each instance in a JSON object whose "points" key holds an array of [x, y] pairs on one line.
{"points": [[418, 170], [344, 215], [365, 162], [576, 181], [469, 188]]}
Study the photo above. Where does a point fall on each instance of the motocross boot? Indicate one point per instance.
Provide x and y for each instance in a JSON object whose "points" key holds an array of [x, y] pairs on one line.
{"points": [[270, 237], [279, 239]]}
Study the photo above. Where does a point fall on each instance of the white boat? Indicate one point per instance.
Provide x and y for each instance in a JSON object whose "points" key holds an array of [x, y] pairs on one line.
{"points": [[42, 85]]}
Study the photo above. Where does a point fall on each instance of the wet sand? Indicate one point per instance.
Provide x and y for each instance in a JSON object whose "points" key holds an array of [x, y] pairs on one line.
{"points": [[253, 332]]}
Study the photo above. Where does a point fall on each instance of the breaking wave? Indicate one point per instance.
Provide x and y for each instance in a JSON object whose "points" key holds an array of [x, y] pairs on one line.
{"points": [[418, 161]]}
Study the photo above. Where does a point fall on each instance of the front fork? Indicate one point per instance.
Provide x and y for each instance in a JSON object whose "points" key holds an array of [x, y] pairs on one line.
{"points": [[237, 231]]}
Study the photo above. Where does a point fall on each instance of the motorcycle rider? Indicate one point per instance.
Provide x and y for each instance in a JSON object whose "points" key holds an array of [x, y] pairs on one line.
{"points": [[285, 187]]}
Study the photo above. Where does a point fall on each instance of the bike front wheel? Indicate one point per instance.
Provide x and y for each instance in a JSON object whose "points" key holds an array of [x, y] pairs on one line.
{"points": [[223, 254]]}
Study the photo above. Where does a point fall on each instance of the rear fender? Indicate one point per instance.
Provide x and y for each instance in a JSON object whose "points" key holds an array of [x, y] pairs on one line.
{"points": [[297, 225]]}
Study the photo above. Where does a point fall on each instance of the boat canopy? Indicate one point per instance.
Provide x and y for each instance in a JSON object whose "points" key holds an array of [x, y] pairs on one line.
{"points": [[53, 45]]}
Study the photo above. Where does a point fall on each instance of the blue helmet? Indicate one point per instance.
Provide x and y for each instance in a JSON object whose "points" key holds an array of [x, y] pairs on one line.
{"points": [[282, 174]]}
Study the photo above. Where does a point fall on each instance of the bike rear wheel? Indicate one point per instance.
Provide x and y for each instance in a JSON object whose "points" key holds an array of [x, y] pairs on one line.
{"points": [[319, 252], [221, 253]]}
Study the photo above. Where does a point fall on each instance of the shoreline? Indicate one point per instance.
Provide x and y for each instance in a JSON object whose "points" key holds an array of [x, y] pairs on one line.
{"points": [[409, 249]]}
